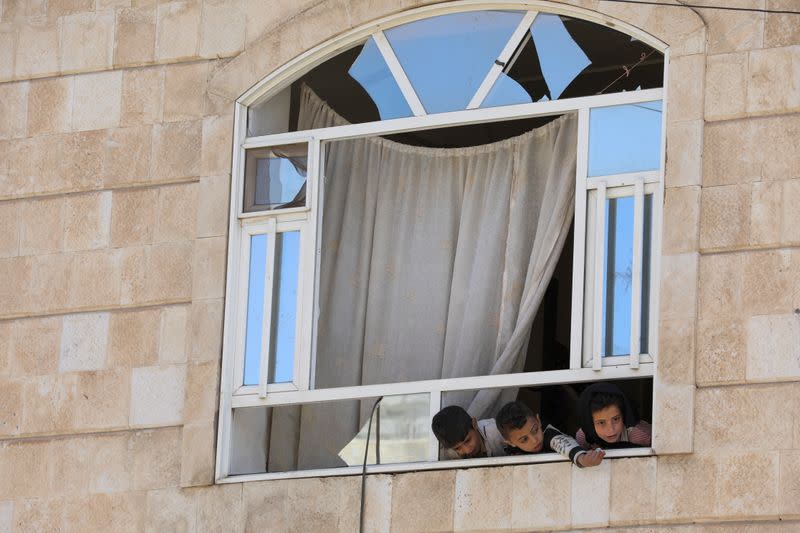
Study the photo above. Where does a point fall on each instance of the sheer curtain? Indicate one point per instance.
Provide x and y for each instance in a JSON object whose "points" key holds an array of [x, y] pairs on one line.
{"points": [[434, 262]]}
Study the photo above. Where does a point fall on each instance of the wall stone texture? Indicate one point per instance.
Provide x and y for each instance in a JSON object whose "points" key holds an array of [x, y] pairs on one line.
{"points": [[116, 123]]}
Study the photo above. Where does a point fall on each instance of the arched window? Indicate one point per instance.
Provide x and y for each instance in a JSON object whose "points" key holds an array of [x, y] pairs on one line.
{"points": [[457, 207]]}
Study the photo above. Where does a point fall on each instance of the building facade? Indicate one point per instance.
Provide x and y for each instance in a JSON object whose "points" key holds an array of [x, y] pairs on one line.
{"points": [[116, 142]]}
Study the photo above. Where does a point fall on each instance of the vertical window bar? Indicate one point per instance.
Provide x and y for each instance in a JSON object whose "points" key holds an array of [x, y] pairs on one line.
{"points": [[434, 406], [269, 291], [599, 256], [499, 65], [399, 74], [636, 272], [579, 240]]}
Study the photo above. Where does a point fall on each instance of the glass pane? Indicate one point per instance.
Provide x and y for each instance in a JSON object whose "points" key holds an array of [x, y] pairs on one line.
{"points": [[625, 138], [284, 316], [506, 91], [370, 70], [275, 178], [447, 57], [270, 116], [255, 308], [330, 434], [617, 276], [560, 58]]}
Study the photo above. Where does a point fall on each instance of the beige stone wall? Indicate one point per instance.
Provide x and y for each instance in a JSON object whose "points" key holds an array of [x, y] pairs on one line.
{"points": [[115, 142]]}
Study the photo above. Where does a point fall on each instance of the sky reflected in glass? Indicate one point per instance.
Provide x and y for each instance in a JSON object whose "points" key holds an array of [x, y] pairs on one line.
{"points": [[447, 57], [278, 181], [255, 309], [625, 138], [285, 314], [561, 59], [506, 91], [370, 71]]}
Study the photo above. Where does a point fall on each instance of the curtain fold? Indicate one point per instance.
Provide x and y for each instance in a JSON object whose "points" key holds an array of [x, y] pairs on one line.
{"points": [[434, 263]]}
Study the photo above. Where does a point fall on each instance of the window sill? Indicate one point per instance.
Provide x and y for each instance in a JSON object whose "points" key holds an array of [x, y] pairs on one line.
{"points": [[429, 465]]}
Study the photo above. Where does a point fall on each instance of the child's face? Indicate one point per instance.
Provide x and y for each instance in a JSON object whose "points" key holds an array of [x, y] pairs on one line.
{"points": [[608, 423], [472, 445], [528, 438]]}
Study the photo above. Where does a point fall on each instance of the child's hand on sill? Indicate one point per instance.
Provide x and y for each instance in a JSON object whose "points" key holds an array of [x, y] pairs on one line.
{"points": [[591, 458]]}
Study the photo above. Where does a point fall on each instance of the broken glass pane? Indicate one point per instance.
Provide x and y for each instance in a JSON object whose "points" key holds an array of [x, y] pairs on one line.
{"points": [[561, 59], [275, 178], [370, 70], [506, 91], [447, 57]]}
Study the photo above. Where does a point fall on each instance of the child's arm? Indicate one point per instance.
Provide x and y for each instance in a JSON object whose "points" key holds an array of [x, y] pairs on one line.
{"points": [[569, 448], [640, 434]]}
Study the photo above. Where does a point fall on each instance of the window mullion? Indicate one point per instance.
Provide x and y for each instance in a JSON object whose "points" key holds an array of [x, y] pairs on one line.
{"points": [[636, 272], [434, 406], [599, 257], [269, 293], [502, 60], [399, 74]]}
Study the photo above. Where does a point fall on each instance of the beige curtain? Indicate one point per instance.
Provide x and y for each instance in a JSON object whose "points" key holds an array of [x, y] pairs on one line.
{"points": [[434, 262]]}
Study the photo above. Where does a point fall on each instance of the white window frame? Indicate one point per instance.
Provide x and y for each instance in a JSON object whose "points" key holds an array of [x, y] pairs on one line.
{"points": [[307, 220]]}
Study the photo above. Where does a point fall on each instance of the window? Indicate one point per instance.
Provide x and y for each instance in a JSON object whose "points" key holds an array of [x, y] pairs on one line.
{"points": [[462, 208]]}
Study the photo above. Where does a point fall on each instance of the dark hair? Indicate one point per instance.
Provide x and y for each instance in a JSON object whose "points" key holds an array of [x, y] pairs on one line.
{"points": [[601, 400], [451, 425], [512, 415]]}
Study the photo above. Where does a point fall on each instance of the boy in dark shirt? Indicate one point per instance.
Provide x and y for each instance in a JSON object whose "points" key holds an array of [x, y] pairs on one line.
{"points": [[522, 430]]}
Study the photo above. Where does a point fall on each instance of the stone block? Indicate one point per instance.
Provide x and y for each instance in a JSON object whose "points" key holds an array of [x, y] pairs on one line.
{"points": [[15, 272], [202, 391], [773, 347], [184, 91], [591, 491], [726, 86], [720, 285], [169, 274], [11, 223], [724, 216], [7, 328], [18, 166], [177, 213], [13, 109], [109, 462], [174, 336], [265, 505], [38, 49], [434, 512], [259, 20], [94, 279], [81, 154], [773, 86], [684, 153], [731, 31], [686, 487], [135, 36], [133, 268], [156, 458], [87, 41], [97, 101], [529, 511], [105, 512], [781, 29], [213, 204], [790, 216], [142, 96], [633, 490], [719, 412], [789, 482], [133, 338], [36, 347], [56, 8], [175, 149], [198, 454], [8, 49], [748, 485], [42, 230], [170, 510], [40, 515], [178, 30], [721, 351], [133, 216], [217, 145], [102, 401], [157, 395], [679, 286], [673, 423], [768, 281], [208, 272], [87, 221], [378, 504], [681, 220], [84, 340], [6, 516], [49, 281], [10, 407], [127, 156], [206, 330], [24, 470], [220, 508], [685, 86], [766, 212], [48, 403], [676, 355], [472, 509], [49, 106], [223, 28]]}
